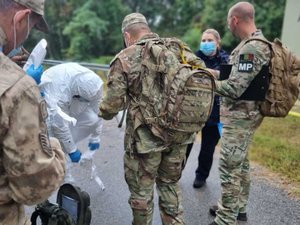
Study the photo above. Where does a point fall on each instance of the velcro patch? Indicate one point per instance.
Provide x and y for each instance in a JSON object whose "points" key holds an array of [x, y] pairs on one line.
{"points": [[44, 140], [246, 63]]}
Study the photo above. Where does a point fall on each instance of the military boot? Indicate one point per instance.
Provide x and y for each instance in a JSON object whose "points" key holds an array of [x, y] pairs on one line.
{"points": [[213, 223], [240, 217]]}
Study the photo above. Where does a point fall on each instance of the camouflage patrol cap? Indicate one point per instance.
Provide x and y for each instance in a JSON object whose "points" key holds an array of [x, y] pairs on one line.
{"points": [[132, 19], [36, 6]]}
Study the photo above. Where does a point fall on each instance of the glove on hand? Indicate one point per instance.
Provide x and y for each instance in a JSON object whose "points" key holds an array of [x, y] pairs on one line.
{"points": [[75, 156], [94, 146], [35, 73]]}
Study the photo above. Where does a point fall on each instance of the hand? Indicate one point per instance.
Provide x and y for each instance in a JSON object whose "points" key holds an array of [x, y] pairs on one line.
{"points": [[35, 73], [215, 73], [94, 146], [75, 156]]}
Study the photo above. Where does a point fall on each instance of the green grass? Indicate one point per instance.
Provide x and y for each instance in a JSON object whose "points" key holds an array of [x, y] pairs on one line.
{"points": [[276, 145]]}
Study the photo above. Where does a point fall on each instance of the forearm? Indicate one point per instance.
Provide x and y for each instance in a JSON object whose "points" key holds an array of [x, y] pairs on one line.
{"points": [[116, 95], [44, 176], [35, 166], [96, 135], [61, 131]]}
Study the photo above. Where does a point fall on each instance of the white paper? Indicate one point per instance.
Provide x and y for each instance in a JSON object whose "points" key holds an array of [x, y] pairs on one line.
{"points": [[37, 55]]}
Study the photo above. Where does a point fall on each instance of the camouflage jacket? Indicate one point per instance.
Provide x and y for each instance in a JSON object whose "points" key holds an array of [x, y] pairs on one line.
{"points": [[30, 169], [254, 53], [124, 81]]}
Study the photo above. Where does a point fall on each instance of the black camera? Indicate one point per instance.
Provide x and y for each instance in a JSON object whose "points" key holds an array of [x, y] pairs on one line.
{"points": [[72, 208]]}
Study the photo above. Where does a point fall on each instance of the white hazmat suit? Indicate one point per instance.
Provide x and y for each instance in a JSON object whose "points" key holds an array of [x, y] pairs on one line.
{"points": [[73, 93]]}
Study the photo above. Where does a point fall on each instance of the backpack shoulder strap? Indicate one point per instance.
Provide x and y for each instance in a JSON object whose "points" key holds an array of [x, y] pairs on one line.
{"points": [[148, 51], [34, 217], [259, 39], [264, 41]]}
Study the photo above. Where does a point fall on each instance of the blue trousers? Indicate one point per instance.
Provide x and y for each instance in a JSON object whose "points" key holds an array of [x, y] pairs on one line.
{"points": [[209, 139]]}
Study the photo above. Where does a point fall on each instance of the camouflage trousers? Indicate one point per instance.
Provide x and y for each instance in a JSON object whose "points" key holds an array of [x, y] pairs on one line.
{"points": [[163, 168], [234, 168]]}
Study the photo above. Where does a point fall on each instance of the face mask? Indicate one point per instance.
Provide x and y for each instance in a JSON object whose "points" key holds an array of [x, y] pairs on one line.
{"points": [[16, 50], [208, 47]]}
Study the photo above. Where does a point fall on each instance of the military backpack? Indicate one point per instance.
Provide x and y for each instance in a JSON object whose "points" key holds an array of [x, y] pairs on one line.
{"points": [[175, 95], [284, 83]]}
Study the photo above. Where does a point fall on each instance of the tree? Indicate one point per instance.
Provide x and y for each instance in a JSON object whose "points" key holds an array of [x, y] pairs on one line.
{"points": [[84, 31], [267, 16]]}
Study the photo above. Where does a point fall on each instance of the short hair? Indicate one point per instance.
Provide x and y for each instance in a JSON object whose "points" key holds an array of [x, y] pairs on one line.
{"points": [[137, 28], [8, 4], [214, 33], [243, 10]]}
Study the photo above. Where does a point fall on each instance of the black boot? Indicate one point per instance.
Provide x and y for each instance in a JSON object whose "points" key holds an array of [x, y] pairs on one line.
{"points": [[240, 217], [213, 223], [198, 183]]}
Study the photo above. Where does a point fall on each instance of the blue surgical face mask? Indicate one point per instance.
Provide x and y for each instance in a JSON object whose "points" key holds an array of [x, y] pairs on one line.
{"points": [[208, 47], [14, 52]]}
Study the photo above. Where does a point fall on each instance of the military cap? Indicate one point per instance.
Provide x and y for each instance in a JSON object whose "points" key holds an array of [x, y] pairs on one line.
{"points": [[132, 19], [36, 6]]}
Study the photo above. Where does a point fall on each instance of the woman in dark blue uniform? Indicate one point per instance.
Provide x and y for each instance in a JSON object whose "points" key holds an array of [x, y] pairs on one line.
{"points": [[213, 56]]}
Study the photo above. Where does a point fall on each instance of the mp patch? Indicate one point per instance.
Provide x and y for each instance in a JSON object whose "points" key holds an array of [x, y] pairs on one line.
{"points": [[246, 63]]}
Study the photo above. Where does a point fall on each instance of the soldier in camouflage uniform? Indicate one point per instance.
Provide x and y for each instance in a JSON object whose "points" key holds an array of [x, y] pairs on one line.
{"points": [[147, 159], [240, 117], [31, 165]]}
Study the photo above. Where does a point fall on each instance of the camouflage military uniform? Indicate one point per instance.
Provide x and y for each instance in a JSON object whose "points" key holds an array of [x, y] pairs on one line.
{"points": [[240, 118], [30, 169], [147, 159]]}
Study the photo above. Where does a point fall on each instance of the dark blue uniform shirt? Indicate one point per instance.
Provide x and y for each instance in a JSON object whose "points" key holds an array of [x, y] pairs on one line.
{"points": [[214, 62]]}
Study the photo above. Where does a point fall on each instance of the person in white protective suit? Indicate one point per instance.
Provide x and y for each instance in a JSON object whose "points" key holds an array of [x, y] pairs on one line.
{"points": [[73, 95]]}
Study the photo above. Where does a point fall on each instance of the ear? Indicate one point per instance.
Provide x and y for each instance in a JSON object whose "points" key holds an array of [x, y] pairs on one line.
{"points": [[126, 35], [235, 20], [21, 15], [127, 38]]}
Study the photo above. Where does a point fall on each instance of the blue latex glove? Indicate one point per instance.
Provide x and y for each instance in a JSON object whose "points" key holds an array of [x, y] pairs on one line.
{"points": [[94, 146], [35, 73], [220, 128], [75, 156]]}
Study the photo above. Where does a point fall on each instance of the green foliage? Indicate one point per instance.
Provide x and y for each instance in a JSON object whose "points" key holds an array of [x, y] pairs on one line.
{"points": [[268, 18], [276, 145], [106, 59], [84, 31], [191, 37]]}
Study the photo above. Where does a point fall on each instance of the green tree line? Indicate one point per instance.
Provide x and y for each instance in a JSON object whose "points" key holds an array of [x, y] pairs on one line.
{"points": [[88, 29]]}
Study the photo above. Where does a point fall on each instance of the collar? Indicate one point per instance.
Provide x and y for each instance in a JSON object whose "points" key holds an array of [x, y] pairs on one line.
{"points": [[256, 33], [147, 37]]}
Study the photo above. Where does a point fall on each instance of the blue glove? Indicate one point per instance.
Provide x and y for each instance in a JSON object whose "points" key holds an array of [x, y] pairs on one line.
{"points": [[94, 146], [35, 73], [75, 156], [220, 128]]}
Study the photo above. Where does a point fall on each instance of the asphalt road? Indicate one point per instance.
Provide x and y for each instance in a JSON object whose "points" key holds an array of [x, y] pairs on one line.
{"points": [[268, 205]]}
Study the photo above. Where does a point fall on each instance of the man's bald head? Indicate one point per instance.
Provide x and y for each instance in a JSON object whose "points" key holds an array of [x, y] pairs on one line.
{"points": [[240, 20], [243, 10]]}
